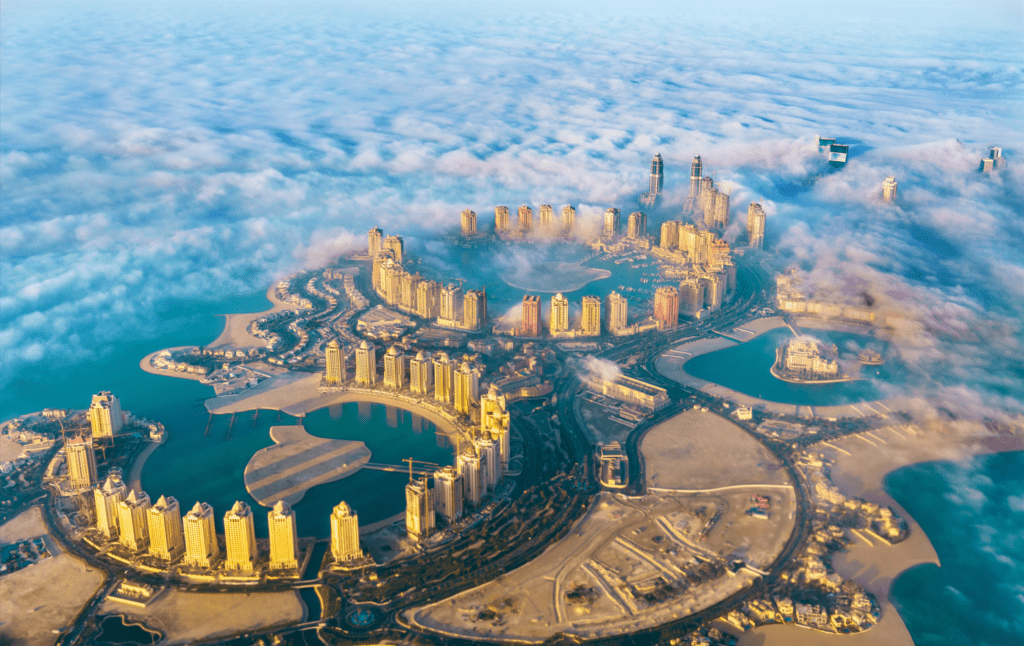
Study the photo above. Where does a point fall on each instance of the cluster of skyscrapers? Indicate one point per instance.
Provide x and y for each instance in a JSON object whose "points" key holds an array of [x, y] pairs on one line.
{"points": [[710, 275], [705, 200], [412, 293], [994, 161], [525, 226]]}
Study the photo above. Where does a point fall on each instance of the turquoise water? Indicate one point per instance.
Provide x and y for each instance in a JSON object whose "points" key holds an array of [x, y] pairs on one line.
{"points": [[758, 355], [216, 462], [973, 513]]}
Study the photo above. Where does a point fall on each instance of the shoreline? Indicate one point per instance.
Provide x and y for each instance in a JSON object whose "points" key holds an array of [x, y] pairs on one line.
{"points": [[147, 366], [236, 326]]}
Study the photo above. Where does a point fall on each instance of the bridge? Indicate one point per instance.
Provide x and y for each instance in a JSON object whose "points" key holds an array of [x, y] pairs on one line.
{"points": [[398, 468]]}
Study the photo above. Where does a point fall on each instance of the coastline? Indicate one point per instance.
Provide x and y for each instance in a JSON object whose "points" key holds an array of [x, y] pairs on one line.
{"points": [[236, 333], [147, 366]]}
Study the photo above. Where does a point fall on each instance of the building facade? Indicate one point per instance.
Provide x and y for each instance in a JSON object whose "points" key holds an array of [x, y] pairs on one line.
{"points": [[334, 357], [80, 458], [530, 325], [755, 225], [166, 536], [666, 307], [239, 539], [444, 378], [559, 323], [105, 417], [501, 223], [106, 497], [284, 538], [201, 547], [421, 373], [394, 369], [419, 509], [889, 189], [468, 221], [611, 223], [366, 364], [468, 464], [448, 491], [618, 309], [590, 323], [132, 524], [345, 534]]}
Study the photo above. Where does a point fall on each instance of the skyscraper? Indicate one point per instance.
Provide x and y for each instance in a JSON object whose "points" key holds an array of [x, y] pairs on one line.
{"points": [[525, 219], [468, 223], [408, 291], [240, 539], [490, 462], [366, 364], [636, 226], [494, 419], [657, 174], [695, 178], [721, 216], [132, 524], [284, 538], [568, 219], [666, 307], [376, 238], [591, 321], [501, 224], [335, 358], [611, 223], [755, 225], [451, 303], [166, 541], [474, 309], [345, 534], [889, 189], [105, 416], [448, 490], [530, 325], [559, 314], [81, 461], [468, 463], [670, 235], [547, 216], [467, 387], [419, 509], [201, 548], [691, 296], [444, 378], [421, 373], [396, 246], [106, 497], [428, 299], [394, 368], [618, 308]]}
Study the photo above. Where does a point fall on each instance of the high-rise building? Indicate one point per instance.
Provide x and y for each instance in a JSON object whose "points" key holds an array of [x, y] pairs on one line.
{"points": [[106, 497], [201, 548], [335, 359], [691, 296], [444, 378], [391, 281], [670, 235], [611, 223], [345, 534], [379, 261], [590, 324], [889, 189], [81, 460], [547, 216], [394, 368], [448, 490], [166, 539], [421, 373], [408, 291], [284, 538], [755, 225], [239, 539], [721, 217], [501, 224], [451, 303], [530, 325], [474, 309], [666, 307], [472, 476], [490, 462], [419, 509], [695, 179], [494, 419], [559, 314], [376, 239], [525, 219], [468, 223], [714, 290], [657, 174], [105, 416], [568, 219], [636, 226], [366, 363], [467, 387], [428, 299], [132, 524], [396, 246], [618, 308]]}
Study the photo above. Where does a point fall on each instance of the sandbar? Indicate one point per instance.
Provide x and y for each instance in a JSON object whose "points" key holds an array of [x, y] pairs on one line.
{"points": [[555, 277], [236, 326]]}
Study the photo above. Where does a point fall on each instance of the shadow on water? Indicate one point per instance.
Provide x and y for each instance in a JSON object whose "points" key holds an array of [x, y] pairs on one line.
{"points": [[115, 629]]}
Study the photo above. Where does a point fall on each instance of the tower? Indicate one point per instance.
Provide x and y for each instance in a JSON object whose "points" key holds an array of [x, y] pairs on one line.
{"points": [[284, 538], [81, 461], [467, 387], [657, 175], [106, 497], [611, 223], [345, 534], [568, 219], [376, 238], [105, 416], [559, 314], [494, 419], [490, 462], [396, 246], [530, 325], [394, 368], [525, 219], [444, 378], [421, 373], [666, 307], [721, 217], [472, 476], [335, 359], [755, 224], [889, 189], [547, 216], [201, 548], [408, 291], [240, 538], [618, 308], [691, 296], [501, 224], [636, 226], [166, 541], [468, 223], [591, 322], [670, 235], [448, 490], [695, 179], [133, 528], [474, 309], [366, 364], [428, 299], [451, 303], [419, 509]]}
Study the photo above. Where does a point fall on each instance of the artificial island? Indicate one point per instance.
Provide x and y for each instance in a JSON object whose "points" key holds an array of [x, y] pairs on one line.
{"points": [[587, 486]]}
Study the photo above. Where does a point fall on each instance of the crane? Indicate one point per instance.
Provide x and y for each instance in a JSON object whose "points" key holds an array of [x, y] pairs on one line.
{"points": [[420, 462]]}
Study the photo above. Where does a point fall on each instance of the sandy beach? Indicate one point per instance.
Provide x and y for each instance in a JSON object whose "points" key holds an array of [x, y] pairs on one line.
{"points": [[236, 334], [147, 366]]}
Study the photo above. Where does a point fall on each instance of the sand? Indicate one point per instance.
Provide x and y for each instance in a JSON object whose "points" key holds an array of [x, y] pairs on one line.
{"points": [[45, 596], [236, 333]]}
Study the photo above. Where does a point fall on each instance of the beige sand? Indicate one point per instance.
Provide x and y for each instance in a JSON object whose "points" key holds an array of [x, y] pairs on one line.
{"points": [[45, 596], [185, 617], [236, 333]]}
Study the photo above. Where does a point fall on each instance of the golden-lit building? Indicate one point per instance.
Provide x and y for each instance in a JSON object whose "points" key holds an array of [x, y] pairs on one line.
{"points": [[106, 497], [546, 216], [670, 235], [501, 224], [590, 324], [444, 378], [366, 364], [419, 509], [105, 416], [691, 296], [239, 539], [448, 491], [451, 303], [755, 225], [494, 420], [525, 219], [132, 524], [666, 307], [530, 325], [335, 359], [284, 538], [166, 537], [394, 368], [490, 462], [421, 373], [468, 223], [611, 223], [467, 387], [636, 225], [408, 290], [559, 323], [428, 299], [81, 462], [396, 246], [568, 219], [474, 309], [201, 548], [468, 464], [889, 189], [345, 534], [618, 312], [376, 238]]}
